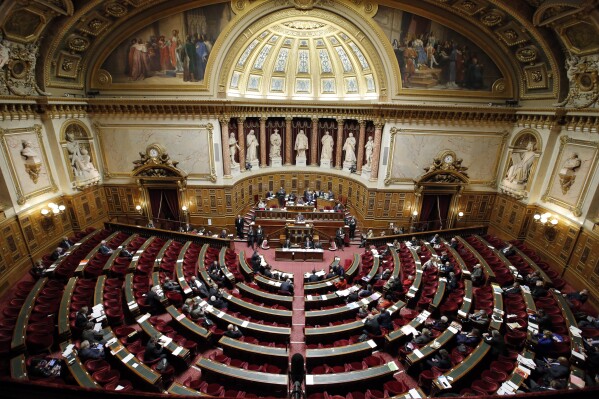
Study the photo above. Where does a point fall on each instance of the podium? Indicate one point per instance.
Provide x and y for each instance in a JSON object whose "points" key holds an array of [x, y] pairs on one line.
{"points": [[297, 232]]}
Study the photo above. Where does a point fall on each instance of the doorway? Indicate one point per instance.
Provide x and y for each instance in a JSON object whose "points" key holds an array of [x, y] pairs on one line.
{"points": [[164, 205], [434, 212]]}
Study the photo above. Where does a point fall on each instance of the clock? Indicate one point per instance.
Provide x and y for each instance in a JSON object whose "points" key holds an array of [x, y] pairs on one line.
{"points": [[153, 153], [448, 158]]}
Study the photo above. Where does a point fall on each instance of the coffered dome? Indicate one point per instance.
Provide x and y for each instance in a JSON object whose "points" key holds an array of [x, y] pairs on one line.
{"points": [[304, 58]]}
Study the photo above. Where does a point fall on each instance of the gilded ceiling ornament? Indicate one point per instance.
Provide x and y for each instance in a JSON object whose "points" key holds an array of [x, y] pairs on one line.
{"points": [[78, 43], [583, 74], [526, 54], [67, 65], [20, 60], [304, 25], [491, 18], [115, 9]]}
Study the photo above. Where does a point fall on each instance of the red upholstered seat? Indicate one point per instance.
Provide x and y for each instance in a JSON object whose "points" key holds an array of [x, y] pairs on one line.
{"points": [[395, 387], [122, 385], [95, 365], [494, 376], [104, 377], [484, 387]]}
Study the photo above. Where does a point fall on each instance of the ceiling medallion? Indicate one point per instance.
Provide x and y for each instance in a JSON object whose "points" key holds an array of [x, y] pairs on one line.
{"points": [[307, 4], [491, 18], [526, 54], [304, 25], [115, 9]]}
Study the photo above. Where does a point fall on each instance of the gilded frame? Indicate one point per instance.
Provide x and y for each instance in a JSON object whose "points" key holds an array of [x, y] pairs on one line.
{"points": [[35, 131], [211, 176], [569, 144]]}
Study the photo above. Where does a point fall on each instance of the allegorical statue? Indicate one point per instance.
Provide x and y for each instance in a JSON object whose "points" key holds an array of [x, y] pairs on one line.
{"points": [[252, 147], [350, 149], [301, 144], [567, 174], [32, 160], [233, 147], [522, 162], [275, 144], [369, 150], [326, 153]]}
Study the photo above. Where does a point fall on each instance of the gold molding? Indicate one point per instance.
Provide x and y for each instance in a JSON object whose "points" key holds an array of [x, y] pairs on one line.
{"points": [[22, 198], [211, 176], [389, 180], [577, 208]]}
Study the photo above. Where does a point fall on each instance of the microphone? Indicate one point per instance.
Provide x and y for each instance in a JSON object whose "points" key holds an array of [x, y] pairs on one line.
{"points": [[297, 371]]}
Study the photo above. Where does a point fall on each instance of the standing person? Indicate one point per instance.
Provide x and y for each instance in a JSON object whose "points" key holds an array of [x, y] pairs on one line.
{"points": [[239, 225], [339, 238], [352, 227]]}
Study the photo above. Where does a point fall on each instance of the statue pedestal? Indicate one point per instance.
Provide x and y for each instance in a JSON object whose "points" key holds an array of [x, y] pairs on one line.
{"points": [[300, 161], [366, 172], [325, 163], [347, 166], [235, 170], [277, 161], [255, 164]]}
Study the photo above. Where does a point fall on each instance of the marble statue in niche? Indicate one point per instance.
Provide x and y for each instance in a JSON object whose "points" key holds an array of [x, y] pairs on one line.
{"points": [[521, 165], [369, 150], [350, 152], [252, 147], [567, 174], [328, 144], [32, 160], [84, 170], [275, 145], [233, 147], [301, 144]]}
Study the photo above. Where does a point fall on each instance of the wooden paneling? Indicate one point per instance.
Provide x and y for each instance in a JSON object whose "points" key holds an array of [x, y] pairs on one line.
{"points": [[87, 208], [477, 207], [583, 269], [510, 218], [14, 257]]}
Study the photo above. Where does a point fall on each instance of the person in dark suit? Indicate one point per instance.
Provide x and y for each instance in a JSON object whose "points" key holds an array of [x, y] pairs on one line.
{"points": [[233, 332], [239, 225], [104, 249], [470, 339], [87, 351], [340, 238], [441, 360], [513, 289], [153, 300], [539, 290], [65, 243], [444, 257], [125, 254], [313, 277], [496, 341], [553, 371], [217, 302], [287, 286], [308, 244], [281, 197], [198, 287], [352, 227], [251, 237], [58, 253], [454, 243], [287, 243], [372, 326], [317, 244], [543, 320], [446, 268], [435, 240], [508, 251], [154, 351], [259, 235], [94, 337], [82, 318]]}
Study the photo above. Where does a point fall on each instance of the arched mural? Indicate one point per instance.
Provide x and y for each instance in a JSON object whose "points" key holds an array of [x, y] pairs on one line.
{"points": [[433, 56], [171, 50]]}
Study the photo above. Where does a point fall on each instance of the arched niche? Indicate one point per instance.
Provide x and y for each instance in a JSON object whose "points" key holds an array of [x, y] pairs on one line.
{"points": [[522, 159], [77, 146]]}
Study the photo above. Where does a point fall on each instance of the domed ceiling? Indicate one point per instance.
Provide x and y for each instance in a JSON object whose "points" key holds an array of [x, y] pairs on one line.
{"points": [[304, 59]]}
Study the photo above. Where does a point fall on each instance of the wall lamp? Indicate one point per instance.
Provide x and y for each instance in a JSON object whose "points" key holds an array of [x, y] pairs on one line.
{"points": [[52, 210], [460, 215], [139, 209], [546, 219]]}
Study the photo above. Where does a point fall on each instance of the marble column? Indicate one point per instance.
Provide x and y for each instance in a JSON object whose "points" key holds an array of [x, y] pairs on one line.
{"points": [[360, 148], [224, 128], [314, 143], [241, 142], [339, 148], [288, 141], [376, 154], [263, 146]]}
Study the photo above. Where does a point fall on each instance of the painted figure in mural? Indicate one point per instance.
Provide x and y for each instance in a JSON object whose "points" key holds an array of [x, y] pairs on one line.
{"points": [[165, 57], [369, 150], [172, 50], [252, 147], [328, 143], [190, 63], [139, 64], [350, 149], [233, 147], [521, 165], [301, 144], [202, 57], [275, 144], [474, 74], [410, 56], [567, 174]]}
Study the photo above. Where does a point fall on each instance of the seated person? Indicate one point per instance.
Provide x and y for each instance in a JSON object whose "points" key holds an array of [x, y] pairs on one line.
{"points": [[552, 370], [332, 272], [423, 338], [414, 242], [197, 312], [233, 332], [170, 285], [126, 254], [384, 320], [150, 224], [92, 336], [65, 243], [363, 311], [82, 317], [317, 244], [363, 293], [454, 243], [542, 319], [187, 306], [38, 269], [496, 341], [444, 257], [508, 251], [154, 351], [512, 289], [88, 351], [479, 319], [300, 201], [261, 204], [446, 268], [313, 277], [441, 360], [477, 275], [287, 287], [287, 244], [576, 299], [218, 303], [198, 287], [300, 218], [153, 300], [452, 282], [341, 284], [439, 325], [371, 326], [104, 248], [468, 340], [57, 254], [435, 240], [539, 290], [308, 243], [531, 278], [545, 342]]}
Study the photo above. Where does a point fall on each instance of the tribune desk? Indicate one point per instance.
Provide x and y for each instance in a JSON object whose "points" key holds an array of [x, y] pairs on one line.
{"points": [[299, 254]]}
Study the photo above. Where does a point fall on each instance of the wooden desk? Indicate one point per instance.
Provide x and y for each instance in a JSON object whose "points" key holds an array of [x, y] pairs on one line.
{"points": [[419, 355], [438, 295], [488, 272], [516, 378], [77, 369], [172, 347], [299, 254], [318, 382], [546, 279], [276, 384], [178, 389], [19, 334], [138, 253], [496, 318], [339, 354], [99, 291], [259, 312], [339, 313], [187, 327], [180, 276], [130, 296], [255, 353], [473, 360], [314, 302], [266, 297], [331, 333], [576, 341], [467, 303], [160, 254], [80, 270], [396, 337], [246, 270], [50, 270], [222, 263], [64, 325], [144, 373], [18, 368]]}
